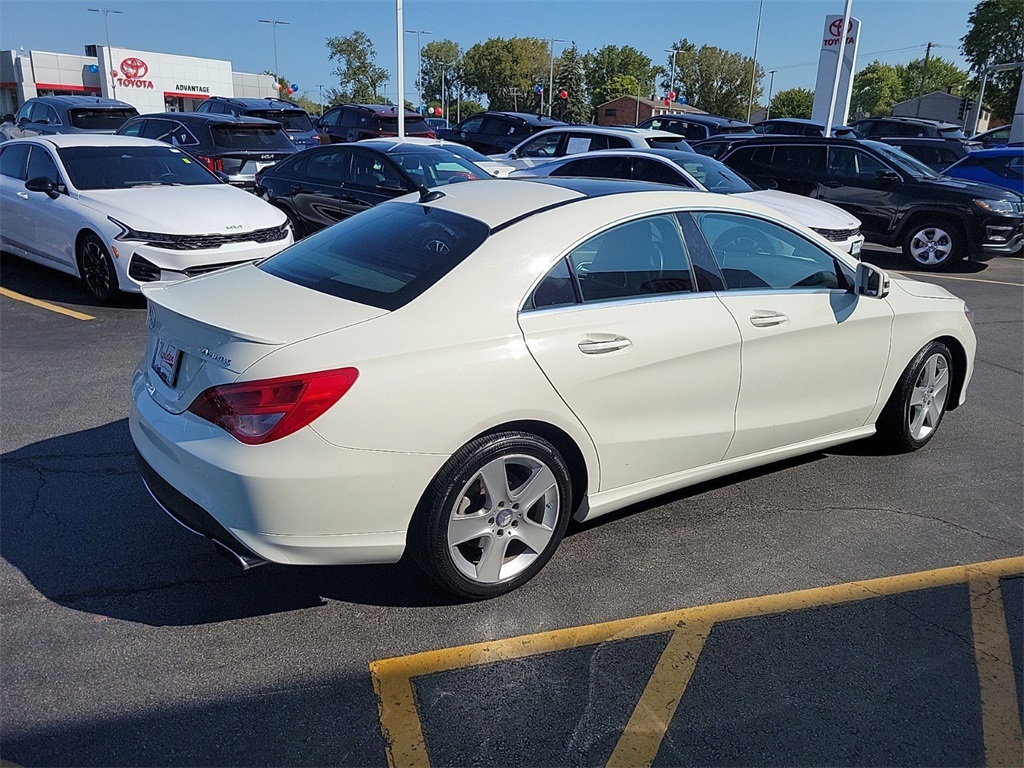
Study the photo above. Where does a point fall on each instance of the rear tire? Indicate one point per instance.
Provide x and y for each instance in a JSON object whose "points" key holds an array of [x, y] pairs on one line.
{"points": [[96, 268], [934, 245], [493, 516], [918, 403]]}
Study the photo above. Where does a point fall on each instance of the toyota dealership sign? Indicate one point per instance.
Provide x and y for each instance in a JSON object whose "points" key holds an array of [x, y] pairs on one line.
{"points": [[830, 42]]}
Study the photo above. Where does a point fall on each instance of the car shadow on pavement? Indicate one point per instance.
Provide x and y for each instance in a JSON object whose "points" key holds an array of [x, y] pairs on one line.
{"points": [[80, 526], [895, 260], [39, 282]]}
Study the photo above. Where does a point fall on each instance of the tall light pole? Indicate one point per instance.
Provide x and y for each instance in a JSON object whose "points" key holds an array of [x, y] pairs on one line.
{"points": [[399, 16], [672, 79], [419, 62], [771, 83], [273, 23], [753, 65], [110, 63], [551, 73], [320, 98]]}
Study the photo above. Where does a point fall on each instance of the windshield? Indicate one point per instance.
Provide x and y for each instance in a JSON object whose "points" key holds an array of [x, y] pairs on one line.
{"points": [[126, 167], [292, 120], [384, 257], [250, 137], [100, 119], [435, 168], [903, 161], [464, 152], [715, 176]]}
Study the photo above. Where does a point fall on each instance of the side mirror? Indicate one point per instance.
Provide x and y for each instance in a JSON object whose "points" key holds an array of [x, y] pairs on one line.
{"points": [[390, 184], [8, 118], [887, 176], [43, 184], [871, 281]]}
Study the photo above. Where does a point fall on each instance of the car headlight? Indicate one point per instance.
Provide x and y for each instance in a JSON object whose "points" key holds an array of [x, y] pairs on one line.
{"points": [[127, 233], [995, 206]]}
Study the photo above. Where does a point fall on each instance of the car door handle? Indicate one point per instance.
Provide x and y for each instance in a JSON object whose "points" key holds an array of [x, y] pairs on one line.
{"points": [[599, 347], [22, 195], [298, 188], [834, 184], [765, 319]]}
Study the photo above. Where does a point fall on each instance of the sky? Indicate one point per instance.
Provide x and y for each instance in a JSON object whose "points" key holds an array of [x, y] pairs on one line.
{"points": [[892, 31]]}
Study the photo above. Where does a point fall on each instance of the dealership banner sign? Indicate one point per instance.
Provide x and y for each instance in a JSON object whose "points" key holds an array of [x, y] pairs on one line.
{"points": [[827, 59]]}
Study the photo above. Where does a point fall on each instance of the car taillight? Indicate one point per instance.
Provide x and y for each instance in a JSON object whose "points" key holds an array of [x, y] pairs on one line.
{"points": [[214, 164], [431, 135], [256, 412]]}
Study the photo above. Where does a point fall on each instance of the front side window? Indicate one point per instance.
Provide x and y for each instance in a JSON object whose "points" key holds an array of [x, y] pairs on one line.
{"points": [[657, 172], [750, 161], [132, 129], [756, 254], [435, 168], [495, 126], [542, 146], [385, 257], [851, 163], [371, 171], [640, 258], [330, 118], [26, 108], [595, 168], [41, 165], [472, 124]]}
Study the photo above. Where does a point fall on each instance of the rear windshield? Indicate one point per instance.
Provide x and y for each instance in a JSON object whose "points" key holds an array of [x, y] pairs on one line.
{"points": [[741, 128], [292, 120], [125, 167], [249, 137], [384, 257], [100, 119], [669, 142], [951, 133], [412, 124]]}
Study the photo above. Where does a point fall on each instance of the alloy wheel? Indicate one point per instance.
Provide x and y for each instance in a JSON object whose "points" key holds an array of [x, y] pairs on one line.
{"points": [[503, 519], [96, 269], [928, 399], [931, 246]]}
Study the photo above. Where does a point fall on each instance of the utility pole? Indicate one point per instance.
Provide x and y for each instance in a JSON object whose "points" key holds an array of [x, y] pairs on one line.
{"points": [[924, 74], [401, 64], [551, 74], [514, 93], [419, 62], [753, 66], [320, 88], [273, 24], [110, 64], [771, 83]]}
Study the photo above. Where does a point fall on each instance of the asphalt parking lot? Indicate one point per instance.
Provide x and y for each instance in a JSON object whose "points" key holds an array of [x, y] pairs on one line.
{"points": [[811, 612]]}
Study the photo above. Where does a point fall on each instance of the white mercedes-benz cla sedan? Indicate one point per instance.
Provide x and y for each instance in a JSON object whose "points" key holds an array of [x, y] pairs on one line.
{"points": [[120, 212], [458, 373]]}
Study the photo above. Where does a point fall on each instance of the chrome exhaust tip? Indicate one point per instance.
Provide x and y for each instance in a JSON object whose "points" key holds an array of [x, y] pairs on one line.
{"points": [[245, 562]]}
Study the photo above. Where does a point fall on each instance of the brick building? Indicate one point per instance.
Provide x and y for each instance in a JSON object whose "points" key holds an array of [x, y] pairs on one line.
{"points": [[629, 110]]}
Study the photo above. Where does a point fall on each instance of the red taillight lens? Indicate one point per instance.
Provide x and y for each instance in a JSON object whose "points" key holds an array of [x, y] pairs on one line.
{"points": [[214, 164], [431, 135], [256, 412]]}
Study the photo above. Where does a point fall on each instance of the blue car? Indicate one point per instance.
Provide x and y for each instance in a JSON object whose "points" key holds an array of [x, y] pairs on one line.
{"points": [[294, 120], [50, 115], [1003, 167]]}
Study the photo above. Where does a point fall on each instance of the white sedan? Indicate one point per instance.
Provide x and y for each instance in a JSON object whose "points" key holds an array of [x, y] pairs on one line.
{"points": [[693, 171], [459, 373], [558, 142], [120, 212], [496, 169]]}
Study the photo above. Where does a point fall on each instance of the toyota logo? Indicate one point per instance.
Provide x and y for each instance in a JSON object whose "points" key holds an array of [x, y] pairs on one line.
{"points": [[133, 68], [833, 28]]}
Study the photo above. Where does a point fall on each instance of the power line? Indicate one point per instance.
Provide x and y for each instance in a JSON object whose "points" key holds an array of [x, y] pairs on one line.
{"points": [[873, 53]]}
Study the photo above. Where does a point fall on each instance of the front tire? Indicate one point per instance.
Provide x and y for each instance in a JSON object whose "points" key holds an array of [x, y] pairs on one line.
{"points": [[493, 516], [96, 269], [934, 245], [916, 407]]}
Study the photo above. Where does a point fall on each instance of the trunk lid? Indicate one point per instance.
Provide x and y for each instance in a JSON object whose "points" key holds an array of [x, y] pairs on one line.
{"points": [[208, 330]]}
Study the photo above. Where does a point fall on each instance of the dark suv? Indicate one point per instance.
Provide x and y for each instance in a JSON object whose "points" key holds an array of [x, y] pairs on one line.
{"points": [[900, 201], [495, 132], [47, 115], [697, 127], [296, 123], [234, 147], [906, 128], [355, 122]]}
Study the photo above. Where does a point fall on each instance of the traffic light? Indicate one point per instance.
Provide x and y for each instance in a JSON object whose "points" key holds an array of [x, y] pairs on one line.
{"points": [[966, 105]]}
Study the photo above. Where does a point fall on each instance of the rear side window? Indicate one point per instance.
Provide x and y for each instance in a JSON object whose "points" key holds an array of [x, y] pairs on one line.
{"points": [[100, 119], [595, 168], [384, 257], [249, 137], [800, 159], [412, 124], [752, 161], [652, 170], [328, 167], [13, 161]]}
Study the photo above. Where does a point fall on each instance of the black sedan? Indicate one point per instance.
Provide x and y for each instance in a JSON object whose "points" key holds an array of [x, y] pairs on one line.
{"points": [[319, 187]]}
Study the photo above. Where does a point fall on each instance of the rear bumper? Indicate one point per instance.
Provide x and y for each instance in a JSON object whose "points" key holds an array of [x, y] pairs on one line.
{"points": [[298, 500]]}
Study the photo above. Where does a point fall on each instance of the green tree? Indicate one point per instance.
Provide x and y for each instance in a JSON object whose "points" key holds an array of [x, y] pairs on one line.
{"points": [[995, 35], [605, 68], [619, 85], [793, 102], [714, 79], [460, 109], [506, 71], [569, 75], [940, 76], [875, 89], [359, 78], [440, 57]]}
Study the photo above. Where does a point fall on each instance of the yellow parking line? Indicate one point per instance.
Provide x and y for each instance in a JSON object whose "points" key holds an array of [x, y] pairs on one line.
{"points": [[45, 305], [392, 678], [640, 741], [917, 275], [1000, 720]]}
